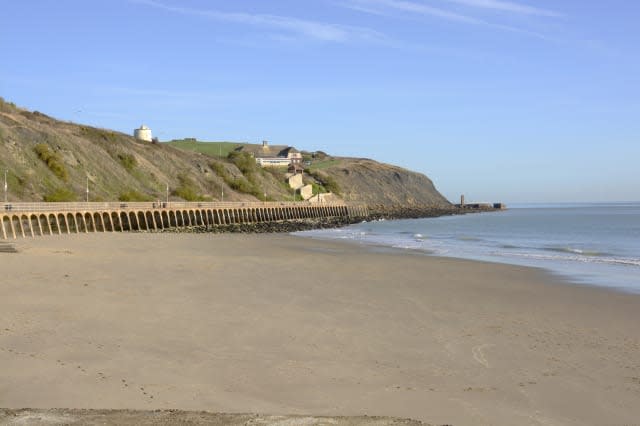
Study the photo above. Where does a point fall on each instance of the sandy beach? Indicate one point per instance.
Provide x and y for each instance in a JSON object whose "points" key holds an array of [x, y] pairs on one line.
{"points": [[276, 324]]}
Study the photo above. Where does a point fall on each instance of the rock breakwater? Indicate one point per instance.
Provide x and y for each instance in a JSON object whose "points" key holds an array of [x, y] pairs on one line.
{"points": [[285, 226], [265, 227], [377, 212]]}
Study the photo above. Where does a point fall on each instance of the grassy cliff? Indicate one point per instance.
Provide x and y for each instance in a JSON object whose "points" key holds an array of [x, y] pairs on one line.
{"points": [[52, 160]]}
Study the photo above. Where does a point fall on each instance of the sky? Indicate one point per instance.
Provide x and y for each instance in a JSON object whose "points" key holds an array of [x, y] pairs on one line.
{"points": [[500, 100]]}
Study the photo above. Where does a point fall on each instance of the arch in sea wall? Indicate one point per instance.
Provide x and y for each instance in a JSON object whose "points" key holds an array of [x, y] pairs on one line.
{"points": [[46, 219]]}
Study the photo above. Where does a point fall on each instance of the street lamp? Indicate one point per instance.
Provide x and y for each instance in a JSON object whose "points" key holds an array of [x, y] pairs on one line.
{"points": [[87, 189], [6, 187], [167, 193]]}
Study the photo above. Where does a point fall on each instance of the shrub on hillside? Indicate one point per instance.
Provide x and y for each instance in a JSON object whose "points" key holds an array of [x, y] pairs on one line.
{"points": [[97, 134], [331, 185], [187, 190], [52, 160], [219, 169], [320, 155], [244, 161], [317, 188], [246, 184], [133, 195], [187, 194], [128, 161], [328, 182], [247, 187], [60, 195], [6, 106], [277, 172]]}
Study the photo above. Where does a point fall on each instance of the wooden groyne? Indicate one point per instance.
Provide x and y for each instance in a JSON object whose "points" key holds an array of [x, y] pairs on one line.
{"points": [[38, 219]]}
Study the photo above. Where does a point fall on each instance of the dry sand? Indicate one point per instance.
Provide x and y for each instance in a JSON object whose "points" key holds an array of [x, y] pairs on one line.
{"points": [[276, 324]]}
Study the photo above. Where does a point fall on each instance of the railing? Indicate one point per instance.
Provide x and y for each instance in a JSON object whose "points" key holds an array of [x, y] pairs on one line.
{"points": [[96, 206]]}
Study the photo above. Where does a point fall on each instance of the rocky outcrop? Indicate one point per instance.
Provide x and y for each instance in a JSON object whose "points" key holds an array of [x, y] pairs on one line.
{"points": [[376, 183]]}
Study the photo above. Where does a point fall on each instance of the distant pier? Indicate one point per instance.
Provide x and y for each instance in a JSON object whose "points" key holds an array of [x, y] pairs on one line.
{"points": [[482, 206]]}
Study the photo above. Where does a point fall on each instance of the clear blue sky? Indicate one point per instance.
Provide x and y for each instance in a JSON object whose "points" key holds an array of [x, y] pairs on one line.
{"points": [[505, 100]]}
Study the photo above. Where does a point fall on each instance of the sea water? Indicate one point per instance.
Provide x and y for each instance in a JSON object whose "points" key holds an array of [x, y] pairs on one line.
{"points": [[595, 244]]}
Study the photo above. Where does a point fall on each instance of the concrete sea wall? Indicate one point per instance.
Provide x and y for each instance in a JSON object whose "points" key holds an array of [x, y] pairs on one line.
{"points": [[38, 219]]}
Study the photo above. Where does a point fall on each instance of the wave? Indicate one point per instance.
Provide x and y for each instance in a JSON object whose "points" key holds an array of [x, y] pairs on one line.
{"points": [[572, 250], [469, 238], [578, 258], [511, 246]]}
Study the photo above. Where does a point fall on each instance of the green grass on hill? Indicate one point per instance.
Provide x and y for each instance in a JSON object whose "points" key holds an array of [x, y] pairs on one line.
{"points": [[323, 164], [214, 149]]}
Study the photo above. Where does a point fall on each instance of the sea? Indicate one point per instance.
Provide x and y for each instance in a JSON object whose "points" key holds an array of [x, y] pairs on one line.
{"points": [[587, 243]]}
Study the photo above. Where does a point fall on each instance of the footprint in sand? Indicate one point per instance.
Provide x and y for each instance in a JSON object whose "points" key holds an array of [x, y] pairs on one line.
{"points": [[478, 354], [145, 393]]}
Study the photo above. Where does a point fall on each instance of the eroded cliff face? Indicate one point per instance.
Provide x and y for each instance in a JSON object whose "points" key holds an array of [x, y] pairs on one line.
{"points": [[49, 159], [376, 183]]}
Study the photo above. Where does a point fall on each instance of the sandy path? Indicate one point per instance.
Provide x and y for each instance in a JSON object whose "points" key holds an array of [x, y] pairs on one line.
{"points": [[283, 325]]}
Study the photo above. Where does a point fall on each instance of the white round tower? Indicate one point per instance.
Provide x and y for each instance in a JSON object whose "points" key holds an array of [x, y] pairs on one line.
{"points": [[143, 134]]}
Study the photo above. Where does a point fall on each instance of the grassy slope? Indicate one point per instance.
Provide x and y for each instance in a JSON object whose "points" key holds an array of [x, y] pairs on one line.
{"points": [[118, 166], [115, 163], [325, 164], [214, 149]]}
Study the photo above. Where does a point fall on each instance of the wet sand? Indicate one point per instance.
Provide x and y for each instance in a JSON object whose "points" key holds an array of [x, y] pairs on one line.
{"points": [[275, 324]]}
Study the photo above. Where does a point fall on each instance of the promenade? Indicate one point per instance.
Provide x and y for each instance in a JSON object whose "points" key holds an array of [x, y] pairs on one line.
{"points": [[37, 219]]}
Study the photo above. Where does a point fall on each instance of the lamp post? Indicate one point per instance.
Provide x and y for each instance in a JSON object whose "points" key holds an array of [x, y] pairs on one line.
{"points": [[221, 184], [87, 190], [6, 187], [167, 193]]}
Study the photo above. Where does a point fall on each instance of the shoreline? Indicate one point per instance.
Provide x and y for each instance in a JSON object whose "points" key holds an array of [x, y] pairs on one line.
{"points": [[560, 278], [606, 264], [278, 324]]}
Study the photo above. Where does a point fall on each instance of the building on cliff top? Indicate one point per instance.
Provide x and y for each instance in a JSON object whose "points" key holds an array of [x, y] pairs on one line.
{"points": [[143, 133], [273, 155]]}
